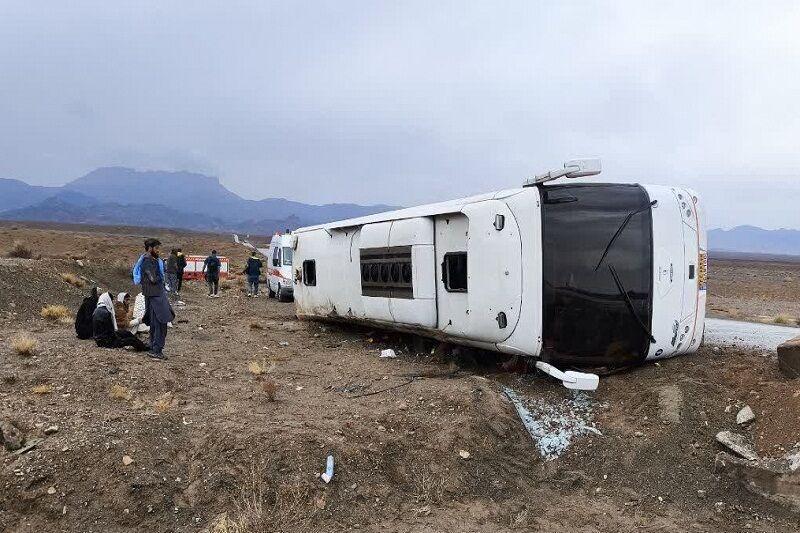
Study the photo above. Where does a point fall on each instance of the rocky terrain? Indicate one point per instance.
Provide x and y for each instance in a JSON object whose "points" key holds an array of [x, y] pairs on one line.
{"points": [[232, 432]]}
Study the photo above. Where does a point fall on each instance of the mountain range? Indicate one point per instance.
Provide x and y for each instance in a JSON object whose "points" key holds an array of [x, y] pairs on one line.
{"points": [[124, 196], [128, 197], [755, 240]]}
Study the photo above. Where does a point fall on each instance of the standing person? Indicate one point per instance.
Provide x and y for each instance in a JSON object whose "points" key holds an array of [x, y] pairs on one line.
{"points": [[172, 274], [181, 268], [159, 312], [253, 271], [211, 268]]}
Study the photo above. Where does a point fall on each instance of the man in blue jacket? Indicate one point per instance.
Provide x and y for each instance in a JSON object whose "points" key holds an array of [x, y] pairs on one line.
{"points": [[149, 273]]}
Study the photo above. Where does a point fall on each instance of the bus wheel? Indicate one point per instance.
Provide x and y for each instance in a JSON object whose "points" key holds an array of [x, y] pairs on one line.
{"points": [[280, 295], [270, 292]]}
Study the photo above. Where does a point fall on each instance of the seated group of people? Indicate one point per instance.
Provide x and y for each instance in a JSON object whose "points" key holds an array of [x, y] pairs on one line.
{"points": [[110, 321]]}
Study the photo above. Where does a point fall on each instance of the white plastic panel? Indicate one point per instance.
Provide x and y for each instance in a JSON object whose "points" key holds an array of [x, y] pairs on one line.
{"points": [[452, 231], [494, 263]]}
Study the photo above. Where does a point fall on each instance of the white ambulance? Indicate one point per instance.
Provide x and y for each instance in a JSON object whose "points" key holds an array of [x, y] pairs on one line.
{"points": [[279, 267]]}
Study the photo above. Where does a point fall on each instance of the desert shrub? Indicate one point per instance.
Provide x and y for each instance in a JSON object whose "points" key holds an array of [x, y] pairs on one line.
{"points": [[24, 345], [44, 388], [73, 279], [163, 404], [270, 389], [783, 318], [20, 250], [256, 325], [55, 312], [255, 368], [226, 284], [118, 392]]}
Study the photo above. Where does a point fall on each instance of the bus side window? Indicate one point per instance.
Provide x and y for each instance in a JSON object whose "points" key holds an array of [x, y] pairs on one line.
{"points": [[310, 272], [454, 272]]}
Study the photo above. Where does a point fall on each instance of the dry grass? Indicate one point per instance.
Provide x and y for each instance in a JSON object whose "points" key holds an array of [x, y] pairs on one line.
{"points": [[24, 345], [55, 312], [261, 507], [255, 326], [255, 368], [164, 404], [270, 389], [226, 284], [73, 279], [20, 250], [44, 388], [783, 318], [118, 392]]}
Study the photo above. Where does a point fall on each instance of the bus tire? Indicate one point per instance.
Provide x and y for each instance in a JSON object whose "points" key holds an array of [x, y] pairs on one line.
{"points": [[270, 292], [280, 294]]}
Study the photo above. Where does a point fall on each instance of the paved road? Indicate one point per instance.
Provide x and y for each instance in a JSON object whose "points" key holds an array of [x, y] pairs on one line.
{"points": [[747, 334]]}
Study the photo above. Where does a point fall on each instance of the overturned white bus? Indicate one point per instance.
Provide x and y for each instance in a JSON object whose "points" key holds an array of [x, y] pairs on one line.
{"points": [[586, 274]]}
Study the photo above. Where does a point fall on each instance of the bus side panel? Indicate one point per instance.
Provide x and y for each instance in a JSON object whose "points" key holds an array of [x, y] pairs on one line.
{"points": [[337, 291], [527, 337]]}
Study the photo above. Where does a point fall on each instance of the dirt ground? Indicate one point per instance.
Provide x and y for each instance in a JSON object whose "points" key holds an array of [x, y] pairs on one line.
{"points": [[426, 442], [761, 291]]}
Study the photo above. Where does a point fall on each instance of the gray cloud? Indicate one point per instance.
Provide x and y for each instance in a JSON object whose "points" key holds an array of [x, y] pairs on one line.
{"points": [[409, 102]]}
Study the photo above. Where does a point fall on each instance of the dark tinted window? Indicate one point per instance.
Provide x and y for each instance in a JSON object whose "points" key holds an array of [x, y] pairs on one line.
{"points": [[455, 272], [310, 272], [586, 316]]}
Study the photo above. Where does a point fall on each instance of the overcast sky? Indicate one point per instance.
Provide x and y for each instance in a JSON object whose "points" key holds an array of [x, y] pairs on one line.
{"points": [[410, 102]]}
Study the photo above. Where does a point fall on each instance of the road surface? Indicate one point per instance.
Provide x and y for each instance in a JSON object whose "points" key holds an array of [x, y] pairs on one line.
{"points": [[747, 334]]}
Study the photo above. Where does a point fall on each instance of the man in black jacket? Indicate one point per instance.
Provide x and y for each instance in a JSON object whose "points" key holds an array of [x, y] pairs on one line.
{"points": [[181, 268], [253, 271], [159, 312], [211, 267]]}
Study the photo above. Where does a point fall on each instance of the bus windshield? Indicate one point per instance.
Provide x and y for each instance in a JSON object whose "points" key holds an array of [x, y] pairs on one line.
{"points": [[597, 273]]}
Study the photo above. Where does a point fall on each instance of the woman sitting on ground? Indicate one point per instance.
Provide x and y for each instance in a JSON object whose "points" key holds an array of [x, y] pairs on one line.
{"points": [[83, 318], [122, 310], [136, 324], [104, 325]]}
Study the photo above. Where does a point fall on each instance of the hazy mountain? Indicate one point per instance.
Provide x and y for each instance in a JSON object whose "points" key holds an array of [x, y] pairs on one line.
{"points": [[196, 193], [123, 196], [752, 239], [15, 194]]}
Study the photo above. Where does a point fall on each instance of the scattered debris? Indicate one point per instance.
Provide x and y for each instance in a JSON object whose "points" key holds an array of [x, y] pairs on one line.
{"points": [[789, 358], [388, 354], [775, 479], [283, 343], [745, 415], [51, 491], [127, 460], [738, 444], [464, 454], [29, 445], [554, 425], [328, 474], [51, 430]]}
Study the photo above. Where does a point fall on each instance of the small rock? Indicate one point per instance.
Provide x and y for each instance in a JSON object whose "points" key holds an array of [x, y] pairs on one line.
{"points": [[701, 493], [10, 436], [789, 358], [738, 444], [127, 460], [388, 354], [51, 491], [638, 434], [745, 416], [283, 343], [464, 454], [79, 262], [51, 430]]}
